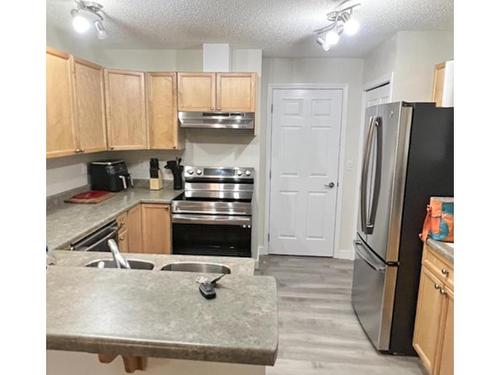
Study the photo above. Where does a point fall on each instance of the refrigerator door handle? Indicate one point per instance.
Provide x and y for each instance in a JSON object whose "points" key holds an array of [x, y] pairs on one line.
{"points": [[361, 251], [364, 174], [377, 126]]}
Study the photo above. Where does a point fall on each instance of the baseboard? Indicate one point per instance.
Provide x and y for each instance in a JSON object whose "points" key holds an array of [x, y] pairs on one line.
{"points": [[263, 251], [344, 254]]}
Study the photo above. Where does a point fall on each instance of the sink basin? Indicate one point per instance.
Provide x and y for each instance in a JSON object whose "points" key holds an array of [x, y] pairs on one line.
{"points": [[134, 264], [197, 267]]}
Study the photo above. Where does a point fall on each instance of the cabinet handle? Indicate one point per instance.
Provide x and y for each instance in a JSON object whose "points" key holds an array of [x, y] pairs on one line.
{"points": [[436, 286], [212, 108], [78, 150], [442, 291], [445, 272]]}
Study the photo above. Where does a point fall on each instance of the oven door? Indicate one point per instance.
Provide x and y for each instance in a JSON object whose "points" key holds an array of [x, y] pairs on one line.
{"points": [[214, 235]]}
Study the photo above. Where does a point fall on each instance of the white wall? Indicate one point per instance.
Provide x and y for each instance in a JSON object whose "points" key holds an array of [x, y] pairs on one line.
{"points": [[320, 70], [381, 61], [418, 52], [411, 56]]}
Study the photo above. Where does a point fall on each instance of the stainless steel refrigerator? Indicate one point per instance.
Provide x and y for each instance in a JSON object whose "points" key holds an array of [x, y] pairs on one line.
{"points": [[407, 158]]}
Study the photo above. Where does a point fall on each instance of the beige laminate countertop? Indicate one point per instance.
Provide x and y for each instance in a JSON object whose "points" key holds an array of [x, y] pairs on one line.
{"points": [[446, 249], [161, 313], [68, 222]]}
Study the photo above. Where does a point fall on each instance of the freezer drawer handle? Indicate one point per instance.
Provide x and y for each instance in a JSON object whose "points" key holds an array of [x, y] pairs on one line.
{"points": [[357, 245]]}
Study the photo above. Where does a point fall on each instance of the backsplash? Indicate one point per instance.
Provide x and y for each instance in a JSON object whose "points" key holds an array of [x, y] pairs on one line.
{"points": [[70, 172]]}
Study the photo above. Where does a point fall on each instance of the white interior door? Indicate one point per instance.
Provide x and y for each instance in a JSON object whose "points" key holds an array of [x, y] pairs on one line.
{"points": [[305, 147]]}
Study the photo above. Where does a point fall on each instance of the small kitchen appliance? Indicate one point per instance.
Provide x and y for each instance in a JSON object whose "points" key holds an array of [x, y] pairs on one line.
{"points": [[176, 168], [214, 214], [155, 175], [109, 175]]}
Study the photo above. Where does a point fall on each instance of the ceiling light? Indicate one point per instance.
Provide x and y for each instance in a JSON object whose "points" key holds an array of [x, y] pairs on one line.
{"points": [[80, 23], [101, 31], [87, 13], [351, 27], [340, 21], [332, 37], [323, 44]]}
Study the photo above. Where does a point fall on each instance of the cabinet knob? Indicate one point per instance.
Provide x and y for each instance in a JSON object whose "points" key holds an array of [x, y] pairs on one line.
{"points": [[442, 291], [78, 150], [436, 286], [445, 272]]}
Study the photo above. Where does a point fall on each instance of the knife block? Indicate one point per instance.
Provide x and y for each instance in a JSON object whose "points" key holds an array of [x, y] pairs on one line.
{"points": [[156, 183]]}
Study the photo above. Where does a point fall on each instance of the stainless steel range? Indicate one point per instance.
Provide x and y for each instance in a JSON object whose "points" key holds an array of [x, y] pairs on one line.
{"points": [[214, 214]]}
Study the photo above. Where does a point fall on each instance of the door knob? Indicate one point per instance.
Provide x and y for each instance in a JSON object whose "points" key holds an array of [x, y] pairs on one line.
{"points": [[330, 185]]}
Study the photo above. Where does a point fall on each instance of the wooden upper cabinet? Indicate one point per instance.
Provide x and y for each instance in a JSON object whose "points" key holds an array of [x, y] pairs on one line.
{"points": [[196, 92], [438, 87], [236, 92], [89, 105], [61, 130], [164, 132], [126, 110]]}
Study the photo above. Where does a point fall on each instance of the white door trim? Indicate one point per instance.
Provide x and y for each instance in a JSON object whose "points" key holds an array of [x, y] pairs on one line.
{"points": [[382, 80], [306, 86]]}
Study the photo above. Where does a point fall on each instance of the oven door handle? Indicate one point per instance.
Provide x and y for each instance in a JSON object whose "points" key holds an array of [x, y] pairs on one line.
{"points": [[211, 219]]}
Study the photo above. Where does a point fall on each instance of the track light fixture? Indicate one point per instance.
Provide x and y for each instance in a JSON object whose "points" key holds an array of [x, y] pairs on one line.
{"points": [[87, 13], [341, 21]]}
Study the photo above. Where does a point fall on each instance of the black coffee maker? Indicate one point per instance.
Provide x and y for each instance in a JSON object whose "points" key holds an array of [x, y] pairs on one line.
{"points": [[176, 168]]}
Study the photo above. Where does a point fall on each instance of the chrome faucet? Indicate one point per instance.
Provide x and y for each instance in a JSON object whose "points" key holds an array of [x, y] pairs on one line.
{"points": [[120, 261]]}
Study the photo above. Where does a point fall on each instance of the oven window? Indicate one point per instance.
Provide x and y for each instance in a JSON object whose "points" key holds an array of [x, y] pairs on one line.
{"points": [[213, 240]]}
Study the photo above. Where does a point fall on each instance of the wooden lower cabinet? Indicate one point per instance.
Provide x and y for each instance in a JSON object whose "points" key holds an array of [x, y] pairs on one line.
{"points": [[445, 362], [145, 228], [156, 229], [123, 241], [135, 229], [433, 335]]}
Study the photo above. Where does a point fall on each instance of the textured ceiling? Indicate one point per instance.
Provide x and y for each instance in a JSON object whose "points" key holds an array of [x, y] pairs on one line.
{"points": [[278, 27]]}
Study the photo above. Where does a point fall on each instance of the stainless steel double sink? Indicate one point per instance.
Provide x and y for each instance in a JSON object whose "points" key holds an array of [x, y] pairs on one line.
{"points": [[135, 264]]}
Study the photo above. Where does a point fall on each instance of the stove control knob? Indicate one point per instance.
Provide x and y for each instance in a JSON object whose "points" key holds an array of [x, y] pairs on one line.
{"points": [[247, 173], [198, 172], [190, 171], [239, 173]]}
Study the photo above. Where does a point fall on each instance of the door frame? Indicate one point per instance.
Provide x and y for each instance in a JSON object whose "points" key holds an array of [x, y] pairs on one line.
{"points": [[269, 118], [380, 81]]}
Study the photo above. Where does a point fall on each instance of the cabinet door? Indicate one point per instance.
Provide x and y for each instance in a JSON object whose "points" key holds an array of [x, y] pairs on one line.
{"points": [[428, 318], [437, 94], [162, 111], [126, 110], [445, 362], [123, 241], [61, 130], [156, 229], [134, 226], [89, 109], [196, 91], [236, 92]]}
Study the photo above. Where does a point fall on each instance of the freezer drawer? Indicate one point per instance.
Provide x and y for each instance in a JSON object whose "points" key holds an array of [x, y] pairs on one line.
{"points": [[373, 294]]}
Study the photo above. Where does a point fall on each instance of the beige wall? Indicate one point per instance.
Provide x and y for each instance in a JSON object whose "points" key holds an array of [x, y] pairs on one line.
{"points": [[320, 71]]}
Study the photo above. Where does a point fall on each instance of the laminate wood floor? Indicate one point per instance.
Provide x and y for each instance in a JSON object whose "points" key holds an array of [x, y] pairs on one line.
{"points": [[318, 331]]}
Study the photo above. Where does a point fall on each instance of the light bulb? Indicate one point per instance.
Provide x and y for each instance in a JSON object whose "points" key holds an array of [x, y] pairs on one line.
{"points": [[323, 44], [101, 31], [80, 23], [351, 27], [332, 38]]}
